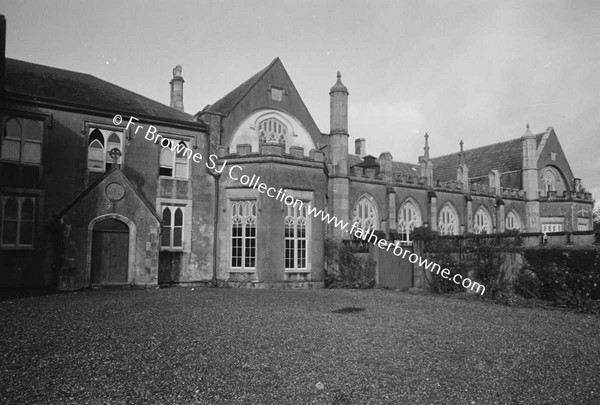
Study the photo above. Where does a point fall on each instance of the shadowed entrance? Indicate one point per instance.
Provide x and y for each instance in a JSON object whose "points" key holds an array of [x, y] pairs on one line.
{"points": [[110, 249]]}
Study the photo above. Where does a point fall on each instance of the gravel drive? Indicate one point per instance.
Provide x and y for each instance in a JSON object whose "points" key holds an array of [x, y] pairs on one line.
{"points": [[235, 346]]}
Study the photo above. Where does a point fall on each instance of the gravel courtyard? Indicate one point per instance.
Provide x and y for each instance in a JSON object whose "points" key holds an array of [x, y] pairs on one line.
{"points": [[212, 346]]}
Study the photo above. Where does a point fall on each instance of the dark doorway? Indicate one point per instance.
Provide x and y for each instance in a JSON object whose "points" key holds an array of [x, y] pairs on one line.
{"points": [[110, 252]]}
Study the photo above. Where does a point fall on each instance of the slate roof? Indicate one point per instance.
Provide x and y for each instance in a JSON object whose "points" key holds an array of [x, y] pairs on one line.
{"points": [[399, 169], [226, 104], [502, 156], [45, 83]]}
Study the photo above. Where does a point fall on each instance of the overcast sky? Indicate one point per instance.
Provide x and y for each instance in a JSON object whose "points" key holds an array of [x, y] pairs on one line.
{"points": [[471, 70]]}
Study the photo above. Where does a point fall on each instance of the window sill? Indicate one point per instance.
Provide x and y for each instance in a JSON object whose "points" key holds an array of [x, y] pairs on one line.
{"points": [[296, 271], [174, 250], [242, 270], [22, 248], [162, 177]]}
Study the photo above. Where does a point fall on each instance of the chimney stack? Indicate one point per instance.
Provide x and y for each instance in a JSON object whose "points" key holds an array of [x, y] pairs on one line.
{"points": [[177, 89], [360, 148]]}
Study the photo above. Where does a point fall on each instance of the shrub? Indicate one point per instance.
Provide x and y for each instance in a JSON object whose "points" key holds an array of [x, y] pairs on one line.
{"points": [[345, 269], [565, 277], [438, 284]]}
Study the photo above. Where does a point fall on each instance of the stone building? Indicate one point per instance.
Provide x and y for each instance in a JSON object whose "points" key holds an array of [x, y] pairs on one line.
{"points": [[86, 201]]}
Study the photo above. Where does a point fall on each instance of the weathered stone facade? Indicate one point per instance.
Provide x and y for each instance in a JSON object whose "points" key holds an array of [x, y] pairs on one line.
{"points": [[74, 214]]}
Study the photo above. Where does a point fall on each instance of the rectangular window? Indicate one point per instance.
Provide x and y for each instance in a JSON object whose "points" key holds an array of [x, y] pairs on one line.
{"points": [[105, 146], [552, 227], [172, 227], [174, 158], [296, 237], [18, 220], [22, 141], [243, 234], [583, 224]]}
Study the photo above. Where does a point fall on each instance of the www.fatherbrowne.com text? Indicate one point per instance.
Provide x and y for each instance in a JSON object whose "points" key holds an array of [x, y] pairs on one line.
{"points": [[235, 173]]}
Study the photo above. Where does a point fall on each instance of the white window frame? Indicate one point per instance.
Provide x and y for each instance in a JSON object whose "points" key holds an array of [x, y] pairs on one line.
{"points": [[513, 221], [245, 213], [20, 199], [448, 220], [583, 224], [482, 221], [173, 208], [365, 213], [106, 135], [297, 220], [409, 217], [22, 122], [552, 224], [174, 159]]}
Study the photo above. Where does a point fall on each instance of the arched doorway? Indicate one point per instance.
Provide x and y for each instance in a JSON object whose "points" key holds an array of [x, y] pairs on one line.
{"points": [[110, 252]]}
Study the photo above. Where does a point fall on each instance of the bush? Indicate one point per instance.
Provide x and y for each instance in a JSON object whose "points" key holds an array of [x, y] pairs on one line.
{"points": [[438, 284], [565, 277], [345, 269]]}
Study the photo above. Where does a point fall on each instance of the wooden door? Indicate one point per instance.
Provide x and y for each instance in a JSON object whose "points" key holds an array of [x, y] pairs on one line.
{"points": [[110, 252]]}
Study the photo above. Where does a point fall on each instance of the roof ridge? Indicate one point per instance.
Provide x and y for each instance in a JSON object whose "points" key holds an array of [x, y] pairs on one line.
{"points": [[74, 74], [478, 147]]}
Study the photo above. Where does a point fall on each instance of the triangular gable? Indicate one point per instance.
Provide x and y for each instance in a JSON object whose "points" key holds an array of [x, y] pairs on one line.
{"points": [[549, 146], [113, 174], [254, 94]]}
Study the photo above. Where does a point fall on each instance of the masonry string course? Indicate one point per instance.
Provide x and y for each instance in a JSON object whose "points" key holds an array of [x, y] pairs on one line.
{"points": [[254, 182]]}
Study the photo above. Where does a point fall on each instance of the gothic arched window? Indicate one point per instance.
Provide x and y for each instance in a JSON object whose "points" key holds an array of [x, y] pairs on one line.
{"points": [[448, 220], [365, 214], [512, 221], [482, 222], [549, 180], [409, 218], [273, 131]]}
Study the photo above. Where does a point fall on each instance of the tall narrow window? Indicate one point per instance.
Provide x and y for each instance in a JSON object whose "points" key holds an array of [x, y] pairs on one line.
{"points": [[512, 221], [448, 221], [408, 219], [296, 237], [482, 222], [22, 141], [18, 220], [243, 234], [173, 160], [100, 143], [166, 163], [365, 214], [172, 233], [549, 180]]}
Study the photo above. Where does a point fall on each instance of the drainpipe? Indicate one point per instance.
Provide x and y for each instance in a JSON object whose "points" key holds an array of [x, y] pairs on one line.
{"points": [[216, 176]]}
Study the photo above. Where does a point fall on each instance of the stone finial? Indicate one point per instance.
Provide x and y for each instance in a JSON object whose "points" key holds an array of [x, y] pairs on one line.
{"points": [[528, 133], [426, 147], [339, 86]]}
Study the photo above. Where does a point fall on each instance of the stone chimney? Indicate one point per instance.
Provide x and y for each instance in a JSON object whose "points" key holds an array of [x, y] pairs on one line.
{"points": [[360, 148], [177, 89]]}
